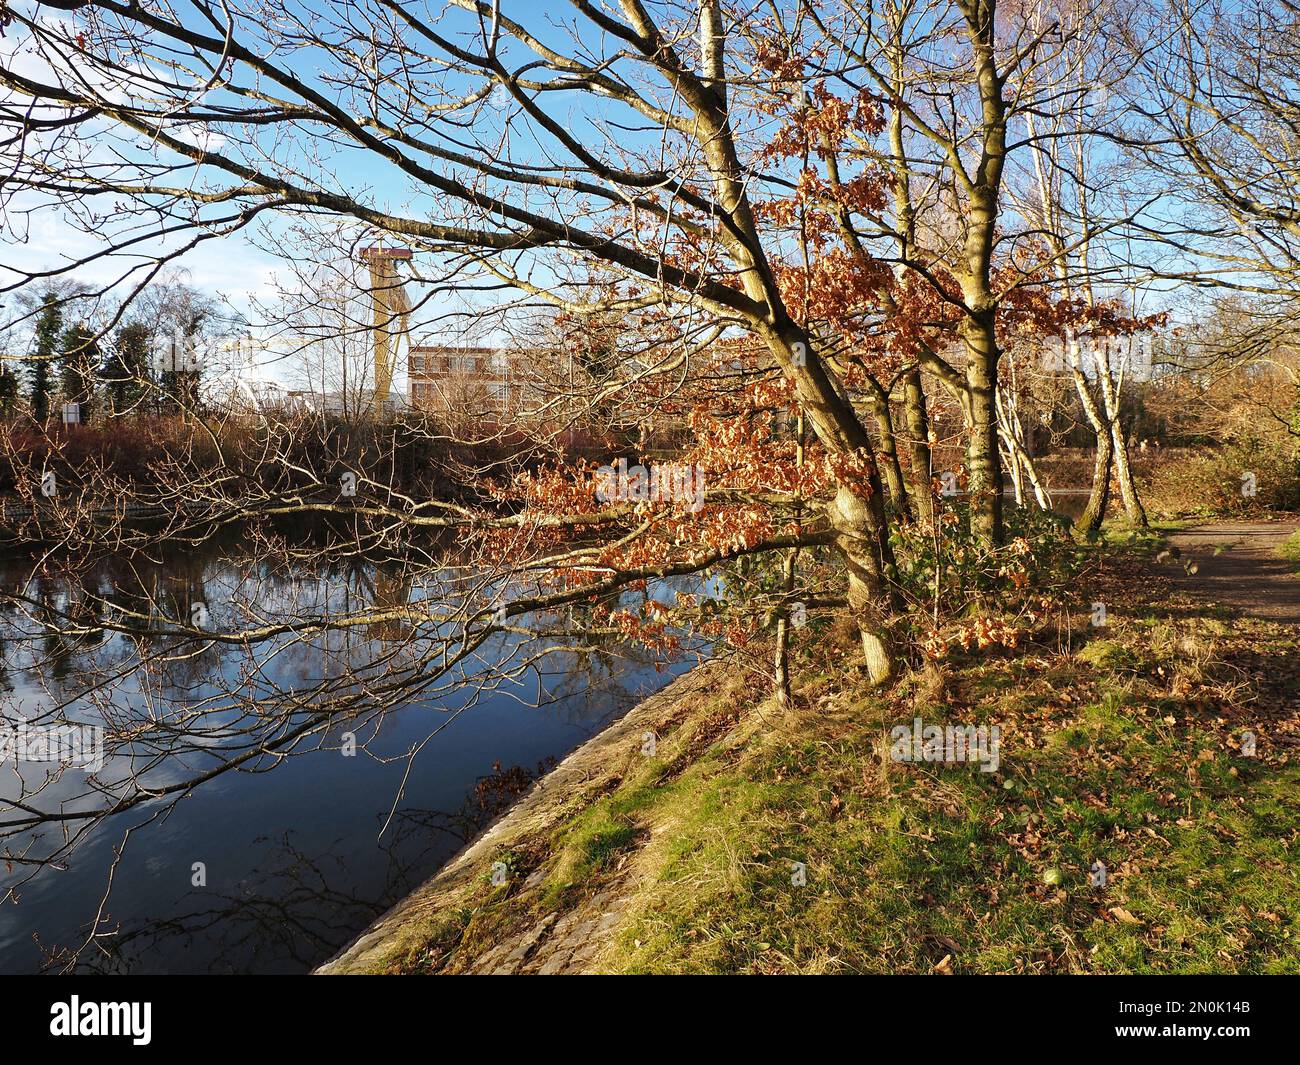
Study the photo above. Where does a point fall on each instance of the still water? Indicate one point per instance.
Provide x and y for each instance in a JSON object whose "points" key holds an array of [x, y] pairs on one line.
{"points": [[299, 854]]}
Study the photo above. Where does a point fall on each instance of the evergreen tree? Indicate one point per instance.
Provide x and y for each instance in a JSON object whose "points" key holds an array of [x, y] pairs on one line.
{"points": [[126, 368], [8, 390], [42, 362]]}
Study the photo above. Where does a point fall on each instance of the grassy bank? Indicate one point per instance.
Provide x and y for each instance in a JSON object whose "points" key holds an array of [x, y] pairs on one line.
{"points": [[1119, 745]]}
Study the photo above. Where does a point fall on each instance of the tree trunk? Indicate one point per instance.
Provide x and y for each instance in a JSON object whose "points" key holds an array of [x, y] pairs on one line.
{"points": [[888, 450], [1041, 495], [983, 458], [857, 513], [867, 558], [1011, 466], [918, 431], [788, 567], [1020, 460], [1137, 514], [782, 663], [1095, 512]]}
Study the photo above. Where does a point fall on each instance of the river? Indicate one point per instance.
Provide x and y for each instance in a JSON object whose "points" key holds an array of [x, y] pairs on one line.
{"points": [[296, 855]]}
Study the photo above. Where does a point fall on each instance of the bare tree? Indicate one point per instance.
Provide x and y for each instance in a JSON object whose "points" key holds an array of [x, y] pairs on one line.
{"points": [[1217, 89], [221, 99], [782, 222]]}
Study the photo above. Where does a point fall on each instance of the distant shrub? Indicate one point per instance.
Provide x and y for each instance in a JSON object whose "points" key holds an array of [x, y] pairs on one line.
{"points": [[286, 453], [125, 450], [1217, 481]]}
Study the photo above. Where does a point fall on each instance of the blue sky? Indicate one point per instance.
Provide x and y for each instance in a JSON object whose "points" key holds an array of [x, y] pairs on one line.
{"points": [[238, 267]]}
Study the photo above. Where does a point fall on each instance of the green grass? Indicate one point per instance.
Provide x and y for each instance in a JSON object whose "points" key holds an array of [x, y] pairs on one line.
{"points": [[921, 863], [597, 837], [1290, 549], [1119, 533]]}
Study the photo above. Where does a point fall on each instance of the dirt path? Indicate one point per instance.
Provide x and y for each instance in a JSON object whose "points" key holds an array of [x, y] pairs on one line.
{"points": [[1248, 574]]}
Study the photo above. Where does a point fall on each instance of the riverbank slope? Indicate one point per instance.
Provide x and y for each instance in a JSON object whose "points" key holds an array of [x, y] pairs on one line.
{"points": [[1126, 829]]}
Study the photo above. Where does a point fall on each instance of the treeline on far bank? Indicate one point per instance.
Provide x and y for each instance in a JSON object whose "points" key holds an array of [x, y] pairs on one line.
{"points": [[286, 453]]}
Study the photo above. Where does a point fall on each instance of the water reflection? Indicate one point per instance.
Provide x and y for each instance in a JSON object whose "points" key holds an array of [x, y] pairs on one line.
{"points": [[399, 766], [295, 907]]}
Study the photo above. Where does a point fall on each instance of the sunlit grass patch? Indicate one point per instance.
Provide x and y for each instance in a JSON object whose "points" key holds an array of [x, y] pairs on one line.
{"points": [[913, 868], [1290, 549]]}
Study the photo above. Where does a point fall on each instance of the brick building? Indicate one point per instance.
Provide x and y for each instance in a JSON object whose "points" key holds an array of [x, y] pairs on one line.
{"points": [[540, 389], [466, 379]]}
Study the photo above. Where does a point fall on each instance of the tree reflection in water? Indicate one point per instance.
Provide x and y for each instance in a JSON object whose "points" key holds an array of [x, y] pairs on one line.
{"points": [[209, 669], [296, 908]]}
